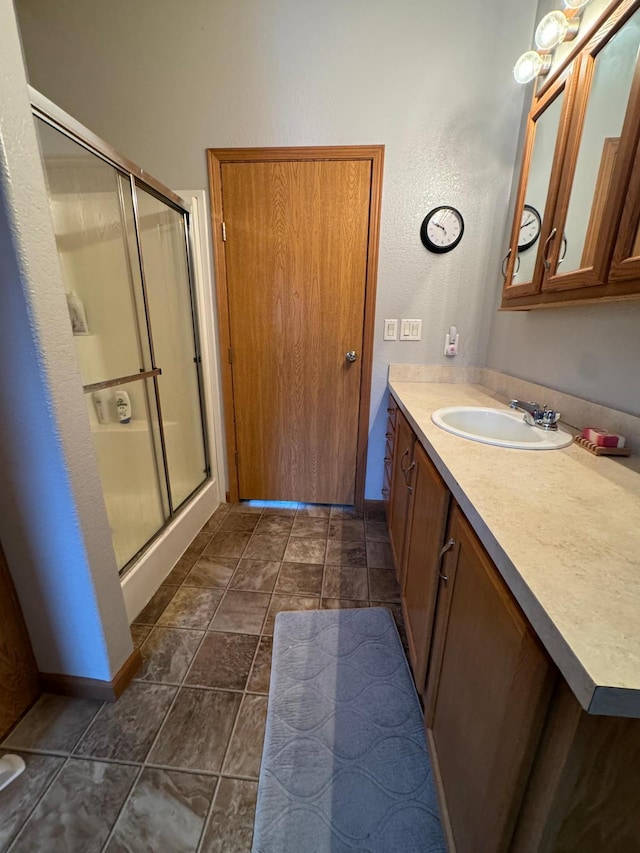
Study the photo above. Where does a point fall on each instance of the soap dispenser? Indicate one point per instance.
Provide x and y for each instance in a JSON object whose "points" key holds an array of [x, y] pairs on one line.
{"points": [[123, 406], [101, 400]]}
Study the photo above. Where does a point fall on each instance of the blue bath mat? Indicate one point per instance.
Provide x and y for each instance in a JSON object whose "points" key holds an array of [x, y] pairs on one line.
{"points": [[345, 764]]}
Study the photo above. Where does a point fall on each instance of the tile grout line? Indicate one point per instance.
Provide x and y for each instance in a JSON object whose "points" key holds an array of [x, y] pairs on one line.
{"points": [[207, 817], [55, 752], [206, 632], [182, 685], [122, 808], [44, 793], [244, 692]]}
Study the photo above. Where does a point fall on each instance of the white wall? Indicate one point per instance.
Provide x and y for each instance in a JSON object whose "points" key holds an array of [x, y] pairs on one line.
{"points": [[162, 81], [53, 525], [591, 351]]}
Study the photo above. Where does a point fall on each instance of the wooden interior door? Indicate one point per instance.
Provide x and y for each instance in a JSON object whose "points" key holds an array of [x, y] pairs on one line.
{"points": [[18, 674], [297, 268]]}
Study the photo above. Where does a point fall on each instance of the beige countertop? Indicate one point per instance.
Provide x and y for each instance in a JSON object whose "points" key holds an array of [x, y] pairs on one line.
{"points": [[563, 528]]}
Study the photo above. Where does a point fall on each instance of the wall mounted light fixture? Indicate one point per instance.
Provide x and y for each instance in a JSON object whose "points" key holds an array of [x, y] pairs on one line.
{"points": [[530, 65], [552, 30], [555, 28]]}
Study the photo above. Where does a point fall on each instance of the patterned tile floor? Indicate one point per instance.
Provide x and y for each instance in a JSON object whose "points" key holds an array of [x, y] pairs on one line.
{"points": [[173, 765]]}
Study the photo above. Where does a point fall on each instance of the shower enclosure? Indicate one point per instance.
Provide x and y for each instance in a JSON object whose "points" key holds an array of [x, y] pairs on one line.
{"points": [[124, 250]]}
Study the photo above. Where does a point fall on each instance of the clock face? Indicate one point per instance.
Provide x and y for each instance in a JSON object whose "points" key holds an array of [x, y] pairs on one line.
{"points": [[530, 224], [442, 229]]}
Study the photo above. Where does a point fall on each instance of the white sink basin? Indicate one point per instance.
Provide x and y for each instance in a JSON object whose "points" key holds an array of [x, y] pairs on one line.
{"points": [[497, 426]]}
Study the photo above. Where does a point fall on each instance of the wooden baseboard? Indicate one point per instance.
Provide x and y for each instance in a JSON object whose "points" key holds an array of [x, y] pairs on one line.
{"points": [[93, 688]]}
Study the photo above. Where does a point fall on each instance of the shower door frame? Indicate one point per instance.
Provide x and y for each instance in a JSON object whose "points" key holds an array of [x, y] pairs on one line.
{"points": [[48, 112]]}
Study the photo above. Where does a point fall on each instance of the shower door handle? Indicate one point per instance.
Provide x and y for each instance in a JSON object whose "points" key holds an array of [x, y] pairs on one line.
{"points": [[122, 380]]}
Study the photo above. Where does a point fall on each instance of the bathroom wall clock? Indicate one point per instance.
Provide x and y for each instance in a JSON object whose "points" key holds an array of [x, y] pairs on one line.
{"points": [[530, 224], [442, 229]]}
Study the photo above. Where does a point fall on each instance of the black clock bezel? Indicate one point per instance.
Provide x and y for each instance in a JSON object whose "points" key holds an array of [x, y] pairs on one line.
{"points": [[524, 246], [424, 237]]}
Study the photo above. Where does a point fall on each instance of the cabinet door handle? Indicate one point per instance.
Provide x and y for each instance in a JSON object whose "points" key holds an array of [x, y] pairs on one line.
{"points": [[387, 461], [385, 493], [406, 453], [545, 259], [504, 264], [407, 471], [450, 544], [566, 246]]}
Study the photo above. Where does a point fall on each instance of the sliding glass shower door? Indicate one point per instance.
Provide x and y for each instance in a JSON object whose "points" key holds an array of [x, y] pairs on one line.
{"points": [[123, 252], [163, 240]]}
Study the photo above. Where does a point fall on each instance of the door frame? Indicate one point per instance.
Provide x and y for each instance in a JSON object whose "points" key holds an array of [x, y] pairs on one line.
{"points": [[216, 157]]}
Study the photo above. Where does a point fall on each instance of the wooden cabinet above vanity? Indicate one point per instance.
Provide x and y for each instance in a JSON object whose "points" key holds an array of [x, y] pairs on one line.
{"points": [[522, 646], [581, 175]]}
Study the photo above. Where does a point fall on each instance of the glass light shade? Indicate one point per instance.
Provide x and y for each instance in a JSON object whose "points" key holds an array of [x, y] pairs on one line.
{"points": [[530, 65], [575, 4], [551, 30]]}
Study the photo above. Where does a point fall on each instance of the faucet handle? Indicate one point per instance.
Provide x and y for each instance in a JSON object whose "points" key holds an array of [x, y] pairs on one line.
{"points": [[548, 417], [536, 415]]}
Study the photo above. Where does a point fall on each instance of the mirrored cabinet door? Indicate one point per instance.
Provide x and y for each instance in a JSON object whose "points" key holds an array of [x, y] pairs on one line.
{"points": [[597, 161], [624, 273], [543, 154]]}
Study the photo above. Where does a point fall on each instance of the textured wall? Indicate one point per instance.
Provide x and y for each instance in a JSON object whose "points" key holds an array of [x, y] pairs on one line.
{"points": [[591, 351], [163, 80], [52, 520]]}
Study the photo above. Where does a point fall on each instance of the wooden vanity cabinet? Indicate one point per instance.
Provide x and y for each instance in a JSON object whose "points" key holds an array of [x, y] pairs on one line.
{"points": [[490, 684], [401, 472], [583, 791], [519, 765], [426, 524]]}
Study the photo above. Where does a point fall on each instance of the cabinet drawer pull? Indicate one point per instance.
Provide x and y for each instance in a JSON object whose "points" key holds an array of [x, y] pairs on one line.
{"points": [[387, 461], [391, 410], [450, 544], [388, 435], [385, 493]]}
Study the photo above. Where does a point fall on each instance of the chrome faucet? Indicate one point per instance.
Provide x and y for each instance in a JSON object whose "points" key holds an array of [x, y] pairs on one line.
{"points": [[536, 415]]}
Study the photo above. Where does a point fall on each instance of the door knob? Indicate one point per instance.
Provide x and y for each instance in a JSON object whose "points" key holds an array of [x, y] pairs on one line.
{"points": [[352, 355]]}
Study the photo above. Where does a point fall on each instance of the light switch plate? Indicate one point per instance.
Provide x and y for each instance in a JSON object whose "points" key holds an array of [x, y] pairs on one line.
{"points": [[390, 330], [410, 330]]}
